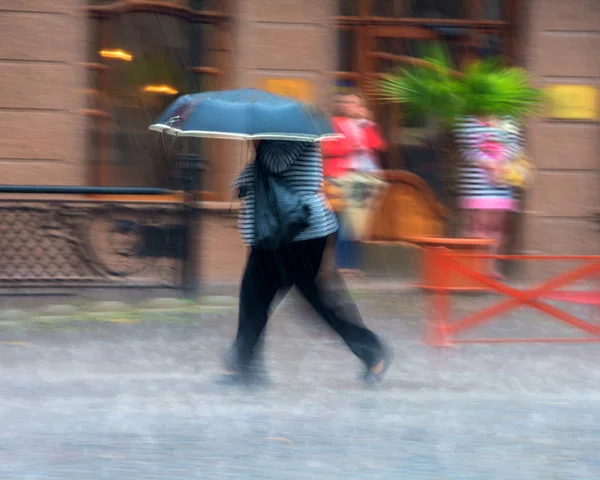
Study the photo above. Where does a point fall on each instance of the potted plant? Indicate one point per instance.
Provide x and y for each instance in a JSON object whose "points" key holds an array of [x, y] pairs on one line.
{"points": [[433, 86], [459, 100]]}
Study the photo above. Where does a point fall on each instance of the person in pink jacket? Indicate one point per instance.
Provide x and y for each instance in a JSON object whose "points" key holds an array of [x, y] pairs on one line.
{"points": [[357, 150], [361, 141]]}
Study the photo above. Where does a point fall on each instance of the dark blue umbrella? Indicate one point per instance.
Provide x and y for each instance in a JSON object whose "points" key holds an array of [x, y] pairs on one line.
{"points": [[243, 114]]}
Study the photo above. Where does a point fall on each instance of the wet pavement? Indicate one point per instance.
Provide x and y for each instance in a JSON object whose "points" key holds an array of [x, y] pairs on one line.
{"points": [[131, 395]]}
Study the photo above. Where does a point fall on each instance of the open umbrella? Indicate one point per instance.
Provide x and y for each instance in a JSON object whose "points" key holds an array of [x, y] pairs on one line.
{"points": [[244, 114]]}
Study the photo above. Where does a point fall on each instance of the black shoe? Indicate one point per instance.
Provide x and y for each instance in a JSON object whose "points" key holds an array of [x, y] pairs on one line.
{"points": [[239, 379], [237, 373], [376, 372], [234, 379]]}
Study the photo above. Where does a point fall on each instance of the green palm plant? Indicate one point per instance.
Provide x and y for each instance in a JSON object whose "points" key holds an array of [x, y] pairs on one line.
{"points": [[490, 89], [429, 86], [433, 86]]}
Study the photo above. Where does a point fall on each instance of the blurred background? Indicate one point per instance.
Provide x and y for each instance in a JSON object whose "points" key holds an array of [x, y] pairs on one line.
{"points": [[81, 82], [110, 380]]}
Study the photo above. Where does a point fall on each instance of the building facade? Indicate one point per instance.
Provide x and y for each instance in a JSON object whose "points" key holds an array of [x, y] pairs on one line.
{"points": [[81, 81]]}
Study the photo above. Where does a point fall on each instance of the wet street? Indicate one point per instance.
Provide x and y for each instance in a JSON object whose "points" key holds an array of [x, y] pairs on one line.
{"points": [[131, 395]]}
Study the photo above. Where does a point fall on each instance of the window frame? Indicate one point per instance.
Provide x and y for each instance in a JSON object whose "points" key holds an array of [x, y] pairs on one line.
{"points": [[368, 28], [99, 173]]}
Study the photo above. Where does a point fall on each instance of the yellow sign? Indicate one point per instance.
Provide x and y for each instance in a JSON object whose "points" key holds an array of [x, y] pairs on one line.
{"points": [[573, 102], [299, 89]]}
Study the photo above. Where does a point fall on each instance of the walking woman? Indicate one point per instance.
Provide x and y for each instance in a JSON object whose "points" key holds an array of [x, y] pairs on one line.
{"points": [[269, 272], [356, 151], [487, 146]]}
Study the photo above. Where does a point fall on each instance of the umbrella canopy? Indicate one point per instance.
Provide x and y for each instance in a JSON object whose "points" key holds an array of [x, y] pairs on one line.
{"points": [[243, 114]]}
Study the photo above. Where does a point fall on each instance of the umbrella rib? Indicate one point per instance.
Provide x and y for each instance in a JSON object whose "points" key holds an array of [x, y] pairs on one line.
{"points": [[249, 119], [312, 118]]}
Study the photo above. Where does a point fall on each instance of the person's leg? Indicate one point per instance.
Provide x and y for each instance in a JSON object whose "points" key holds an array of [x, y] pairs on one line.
{"points": [[466, 223], [328, 295], [346, 248], [342, 246], [260, 284], [490, 224], [478, 223], [354, 255], [496, 227]]}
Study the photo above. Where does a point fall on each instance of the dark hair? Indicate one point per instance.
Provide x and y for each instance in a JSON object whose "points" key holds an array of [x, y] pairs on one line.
{"points": [[354, 92], [349, 92]]}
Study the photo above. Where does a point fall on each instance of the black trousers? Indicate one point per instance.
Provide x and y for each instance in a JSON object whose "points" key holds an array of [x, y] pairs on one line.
{"points": [[299, 264]]}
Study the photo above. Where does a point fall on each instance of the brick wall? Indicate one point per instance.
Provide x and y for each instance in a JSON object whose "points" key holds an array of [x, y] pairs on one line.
{"points": [[563, 41], [279, 39], [42, 139]]}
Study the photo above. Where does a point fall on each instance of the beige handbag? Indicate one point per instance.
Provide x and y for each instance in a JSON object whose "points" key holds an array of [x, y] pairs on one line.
{"points": [[519, 172], [361, 192]]}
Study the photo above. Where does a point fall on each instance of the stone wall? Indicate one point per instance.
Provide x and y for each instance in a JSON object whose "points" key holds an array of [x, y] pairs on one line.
{"points": [[288, 39], [563, 41], [272, 39], [223, 255], [42, 139]]}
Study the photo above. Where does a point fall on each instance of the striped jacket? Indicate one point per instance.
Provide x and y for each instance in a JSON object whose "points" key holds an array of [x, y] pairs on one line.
{"points": [[300, 165], [473, 180]]}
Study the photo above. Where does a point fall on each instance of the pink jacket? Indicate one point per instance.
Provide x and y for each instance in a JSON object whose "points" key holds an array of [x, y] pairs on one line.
{"points": [[337, 154]]}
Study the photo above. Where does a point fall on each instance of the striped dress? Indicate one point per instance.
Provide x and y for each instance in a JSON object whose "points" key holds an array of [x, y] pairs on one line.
{"points": [[300, 165], [476, 189]]}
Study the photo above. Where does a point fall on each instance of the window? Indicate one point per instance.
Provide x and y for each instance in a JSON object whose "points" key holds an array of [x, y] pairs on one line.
{"points": [[143, 55], [376, 36], [420, 8]]}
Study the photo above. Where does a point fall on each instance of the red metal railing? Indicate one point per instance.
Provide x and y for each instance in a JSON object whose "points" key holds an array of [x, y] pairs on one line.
{"points": [[442, 331]]}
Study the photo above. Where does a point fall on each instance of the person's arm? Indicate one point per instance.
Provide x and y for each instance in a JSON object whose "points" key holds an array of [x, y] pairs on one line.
{"points": [[277, 156], [374, 139], [336, 147]]}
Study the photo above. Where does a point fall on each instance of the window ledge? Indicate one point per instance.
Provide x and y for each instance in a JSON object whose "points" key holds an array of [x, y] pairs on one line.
{"points": [[219, 207], [158, 7]]}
